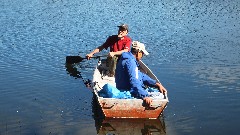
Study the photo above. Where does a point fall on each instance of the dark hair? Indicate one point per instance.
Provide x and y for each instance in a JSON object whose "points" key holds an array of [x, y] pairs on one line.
{"points": [[122, 29], [134, 51]]}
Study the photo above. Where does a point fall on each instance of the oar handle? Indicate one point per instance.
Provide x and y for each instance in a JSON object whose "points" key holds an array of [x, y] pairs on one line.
{"points": [[96, 57], [76, 59]]}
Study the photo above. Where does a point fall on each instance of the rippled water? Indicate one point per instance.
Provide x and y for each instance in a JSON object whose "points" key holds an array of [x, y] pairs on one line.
{"points": [[194, 50]]}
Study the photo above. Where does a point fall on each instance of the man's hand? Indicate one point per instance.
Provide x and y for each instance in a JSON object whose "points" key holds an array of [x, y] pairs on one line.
{"points": [[148, 100], [161, 88], [111, 54], [88, 56]]}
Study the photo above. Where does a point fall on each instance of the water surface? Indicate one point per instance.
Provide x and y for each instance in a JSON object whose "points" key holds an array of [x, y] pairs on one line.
{"points": [[194, 50]]}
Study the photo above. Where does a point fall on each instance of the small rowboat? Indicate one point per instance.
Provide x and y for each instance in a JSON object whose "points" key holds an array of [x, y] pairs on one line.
{"points": [[125, 108]]}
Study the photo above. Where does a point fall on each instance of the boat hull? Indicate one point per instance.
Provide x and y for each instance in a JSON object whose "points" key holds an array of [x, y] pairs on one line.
{"points": [[130, 108]]}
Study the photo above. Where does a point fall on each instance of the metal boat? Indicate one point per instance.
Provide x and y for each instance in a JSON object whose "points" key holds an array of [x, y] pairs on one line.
{"points": [[125, 108]]}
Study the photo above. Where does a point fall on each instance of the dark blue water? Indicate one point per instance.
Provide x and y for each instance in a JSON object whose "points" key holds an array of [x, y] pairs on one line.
{"points": [[194, 50]]}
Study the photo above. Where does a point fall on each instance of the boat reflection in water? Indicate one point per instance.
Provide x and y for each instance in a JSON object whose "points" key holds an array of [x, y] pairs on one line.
{"points": [[113, 126], [131, 127]]}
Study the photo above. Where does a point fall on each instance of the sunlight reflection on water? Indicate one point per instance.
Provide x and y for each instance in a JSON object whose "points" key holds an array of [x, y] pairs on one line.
{"points": [[222, 77]]}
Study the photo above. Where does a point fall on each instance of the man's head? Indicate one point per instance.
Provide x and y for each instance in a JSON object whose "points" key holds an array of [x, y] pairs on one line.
{"points": [[123, 30], [138, 49]]}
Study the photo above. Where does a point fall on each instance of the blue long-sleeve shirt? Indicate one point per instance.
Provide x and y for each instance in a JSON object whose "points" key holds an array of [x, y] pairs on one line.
{"points": [[129, 77]]}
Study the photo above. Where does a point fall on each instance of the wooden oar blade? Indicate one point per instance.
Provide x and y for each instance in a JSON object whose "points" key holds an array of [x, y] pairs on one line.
{"points": [[73, 59]]}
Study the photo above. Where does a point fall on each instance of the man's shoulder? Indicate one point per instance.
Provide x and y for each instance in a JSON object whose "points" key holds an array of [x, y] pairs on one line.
{"points": [[126, 53], [112, 38], [128, 56], [127, 38]]}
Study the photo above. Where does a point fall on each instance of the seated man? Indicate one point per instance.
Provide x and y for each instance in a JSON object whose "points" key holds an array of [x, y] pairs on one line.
{"points": [[118, 44], [129, 77]]}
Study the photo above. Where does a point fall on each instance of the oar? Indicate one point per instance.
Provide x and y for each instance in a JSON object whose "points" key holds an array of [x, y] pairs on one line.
{"points": [[76, 59]]}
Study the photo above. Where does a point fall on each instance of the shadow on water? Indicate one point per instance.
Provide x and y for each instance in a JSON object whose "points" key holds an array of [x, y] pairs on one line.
{"points": [[73, 71], [118, 126]]}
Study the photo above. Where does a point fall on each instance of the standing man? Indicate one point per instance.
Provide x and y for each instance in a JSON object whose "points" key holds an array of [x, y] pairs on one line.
{"points": [[129, 77], [118, 44]]}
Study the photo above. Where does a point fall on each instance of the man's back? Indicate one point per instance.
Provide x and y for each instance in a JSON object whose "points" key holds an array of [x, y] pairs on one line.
{"points": [[128, 77], [122, 74]]}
